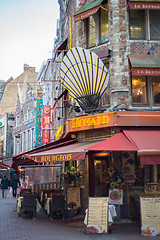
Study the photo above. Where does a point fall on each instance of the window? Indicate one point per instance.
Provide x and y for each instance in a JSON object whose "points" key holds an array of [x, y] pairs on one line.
{"points": [[17, 121], [28, 113], [146, 90], [98, 27], [24, 141], [144, 24], [28, 139]]}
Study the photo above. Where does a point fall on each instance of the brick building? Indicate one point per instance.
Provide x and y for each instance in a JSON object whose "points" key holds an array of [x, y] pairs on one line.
{"points": [[124, 35]]}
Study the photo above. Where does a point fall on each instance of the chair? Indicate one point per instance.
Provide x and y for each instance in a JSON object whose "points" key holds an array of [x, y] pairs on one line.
{"points": [[58, 206], [29, 204]]}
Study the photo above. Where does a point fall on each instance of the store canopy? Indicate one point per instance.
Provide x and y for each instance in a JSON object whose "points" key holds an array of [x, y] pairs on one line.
{"points": [[71, 152], [148, 144], [145, 65], [145, 142], [87, 10], [4, 166], [118, 142]]}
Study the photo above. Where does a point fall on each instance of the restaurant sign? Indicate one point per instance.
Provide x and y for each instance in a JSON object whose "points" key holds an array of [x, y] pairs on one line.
{"points": [[86, 14], [46, 124], [146, 72], [91, 121], [59, 157], [144, 5]]}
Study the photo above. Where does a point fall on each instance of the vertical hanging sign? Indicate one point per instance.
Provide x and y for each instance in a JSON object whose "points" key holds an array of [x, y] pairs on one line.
{"points": [[46, 124], [39, 116]]}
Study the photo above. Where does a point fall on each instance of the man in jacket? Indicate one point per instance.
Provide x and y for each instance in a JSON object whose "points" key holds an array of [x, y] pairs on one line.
{"points": [[4, 183], [15, 183]]}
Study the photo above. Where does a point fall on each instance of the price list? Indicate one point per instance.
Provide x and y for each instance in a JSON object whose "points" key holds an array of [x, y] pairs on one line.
{"points": [[98, 213], [73, 195]]}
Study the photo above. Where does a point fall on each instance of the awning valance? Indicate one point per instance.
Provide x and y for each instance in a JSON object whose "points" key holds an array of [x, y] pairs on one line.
{"points": [[144, 4], [71, 152], [145, 65], [87, 10], [145, 142]]}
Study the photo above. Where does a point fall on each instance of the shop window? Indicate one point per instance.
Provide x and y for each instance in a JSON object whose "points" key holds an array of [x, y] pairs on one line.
{"points": [[144, 24], [146, 90], [98, 27]]}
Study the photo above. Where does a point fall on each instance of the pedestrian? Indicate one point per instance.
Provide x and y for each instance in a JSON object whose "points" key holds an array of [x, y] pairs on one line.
{"points": [[15, 184], [4, 183]]}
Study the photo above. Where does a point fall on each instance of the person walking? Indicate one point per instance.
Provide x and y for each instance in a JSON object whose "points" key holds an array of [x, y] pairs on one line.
{"points": [[15, 183], [4, 183]]}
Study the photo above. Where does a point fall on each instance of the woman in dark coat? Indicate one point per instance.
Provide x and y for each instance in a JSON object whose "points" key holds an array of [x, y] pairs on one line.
{"points": [[4, 183]]}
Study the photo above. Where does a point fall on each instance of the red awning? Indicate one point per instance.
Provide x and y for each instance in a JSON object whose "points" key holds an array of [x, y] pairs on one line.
{"points": [[145, 142], [118, 142], [148, 144], [71, 152], [145, 65], [4, 166]]}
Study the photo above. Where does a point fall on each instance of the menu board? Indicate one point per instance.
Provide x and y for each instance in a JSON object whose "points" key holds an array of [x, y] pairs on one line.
{"points": [[74, 197], [150, 216], [97, 221]]}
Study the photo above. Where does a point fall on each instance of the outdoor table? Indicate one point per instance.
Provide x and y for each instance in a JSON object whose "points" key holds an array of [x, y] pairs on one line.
{"points": [[19, 205]]}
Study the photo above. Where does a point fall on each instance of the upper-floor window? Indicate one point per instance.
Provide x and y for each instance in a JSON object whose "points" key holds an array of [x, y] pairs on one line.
{"points": [[144, 24], [17, 121], [28, 113], [25, 117], [97, 25], [146, 90]]}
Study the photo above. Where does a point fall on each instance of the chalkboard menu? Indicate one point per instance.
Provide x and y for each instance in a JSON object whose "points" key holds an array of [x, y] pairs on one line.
{"points": [[150, 216], [74, 197], [97, 222]]}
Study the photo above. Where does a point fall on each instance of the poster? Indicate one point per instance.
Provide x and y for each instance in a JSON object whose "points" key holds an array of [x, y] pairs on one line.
{"points": [[116, 196], [73, 197], [97, 221], [150, 216], [128, 166]]}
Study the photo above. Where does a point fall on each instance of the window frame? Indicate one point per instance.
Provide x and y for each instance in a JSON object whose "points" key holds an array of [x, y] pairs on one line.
{"points": [[149, 93], [97, 27], [147, 28]]}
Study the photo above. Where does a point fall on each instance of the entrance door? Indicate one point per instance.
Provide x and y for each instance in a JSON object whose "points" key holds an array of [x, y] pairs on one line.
{"points": [[100, 173]]}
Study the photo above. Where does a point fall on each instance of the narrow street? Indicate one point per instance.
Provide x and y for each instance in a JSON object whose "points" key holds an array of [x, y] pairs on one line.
{"points": [[13, 227]]}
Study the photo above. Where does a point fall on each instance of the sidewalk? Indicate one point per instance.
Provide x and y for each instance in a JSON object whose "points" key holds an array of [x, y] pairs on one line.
{"points": [[13, 227]]}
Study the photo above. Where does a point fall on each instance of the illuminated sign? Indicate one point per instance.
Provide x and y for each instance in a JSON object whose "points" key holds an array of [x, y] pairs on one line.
{"points": [[46, 124], [91, 121], [38, 123]]}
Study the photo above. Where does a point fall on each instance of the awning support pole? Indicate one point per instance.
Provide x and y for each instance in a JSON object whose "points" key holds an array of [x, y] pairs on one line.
{"points": [[155, 174]]}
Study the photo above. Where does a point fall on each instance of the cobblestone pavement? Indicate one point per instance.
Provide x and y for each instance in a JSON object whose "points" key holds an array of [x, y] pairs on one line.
{"points": [[13, 227]]}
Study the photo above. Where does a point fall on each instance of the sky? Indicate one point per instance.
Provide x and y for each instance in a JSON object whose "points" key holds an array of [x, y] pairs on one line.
{"points": [[27, 32]]}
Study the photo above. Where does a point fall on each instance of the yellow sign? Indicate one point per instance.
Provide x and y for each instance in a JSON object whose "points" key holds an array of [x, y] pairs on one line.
{"points": [[92, 121], [59, 132]]}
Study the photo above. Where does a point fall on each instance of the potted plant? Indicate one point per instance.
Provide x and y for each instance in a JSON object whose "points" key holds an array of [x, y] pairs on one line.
{"points": [[72, 176]]}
